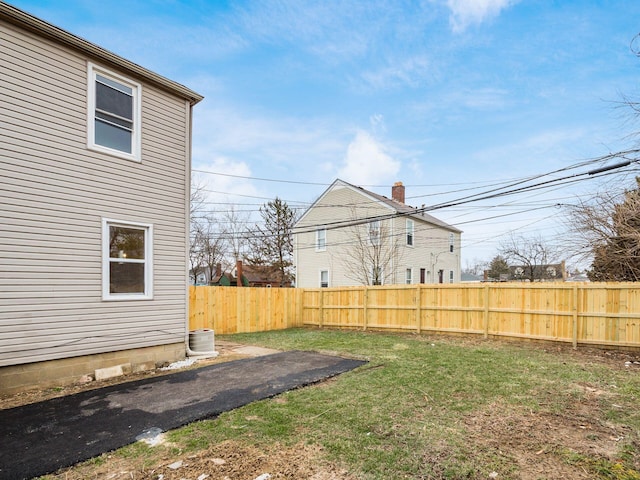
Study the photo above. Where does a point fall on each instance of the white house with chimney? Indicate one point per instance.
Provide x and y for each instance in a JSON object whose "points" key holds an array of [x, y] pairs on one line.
{"points": [[351, 236]]}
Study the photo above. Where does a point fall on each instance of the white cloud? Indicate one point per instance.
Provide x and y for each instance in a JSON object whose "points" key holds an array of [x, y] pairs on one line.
{"points": [[223, 183], [469, 12], [410, 72], [367, 162]]}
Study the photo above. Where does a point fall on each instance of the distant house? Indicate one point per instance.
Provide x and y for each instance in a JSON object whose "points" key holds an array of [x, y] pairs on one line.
{"points": [[553, 272], [95, 161], [470, 278], [352, 236], [264, 276]]}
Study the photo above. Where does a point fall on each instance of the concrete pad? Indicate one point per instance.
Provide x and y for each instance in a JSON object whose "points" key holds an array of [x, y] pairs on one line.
{"points": [[254, 351]]}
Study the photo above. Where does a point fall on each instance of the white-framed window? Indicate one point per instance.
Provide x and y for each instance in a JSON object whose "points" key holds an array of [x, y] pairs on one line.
{"points": [[324, 278], [377, 276], [410, 229], [374, 232], [127, 260], [451, 239], [114, 114], [409, 276], [321, 240], [450, 276]]}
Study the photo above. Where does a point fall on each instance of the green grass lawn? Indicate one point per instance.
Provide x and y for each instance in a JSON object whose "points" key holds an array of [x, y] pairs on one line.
{"points": [[441, 407]]}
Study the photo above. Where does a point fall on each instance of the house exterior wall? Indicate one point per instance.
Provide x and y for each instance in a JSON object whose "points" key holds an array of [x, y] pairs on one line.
{"points": [[55, 193], [430, 249]]}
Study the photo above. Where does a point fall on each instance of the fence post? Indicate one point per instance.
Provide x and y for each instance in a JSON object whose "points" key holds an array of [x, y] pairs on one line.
{"points": [[321, 311], [366, 311], [486, 310], [575, 317], [419, 308]]}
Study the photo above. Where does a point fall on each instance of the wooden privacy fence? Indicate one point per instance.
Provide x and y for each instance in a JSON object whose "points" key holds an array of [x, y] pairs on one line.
{"points": [[605, 314], [244, 309]]}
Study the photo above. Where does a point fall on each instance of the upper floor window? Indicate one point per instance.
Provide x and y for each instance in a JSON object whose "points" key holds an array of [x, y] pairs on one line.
{"points": [[114, 116], [451, 238], [127, 270], [321, 239], [374, 232], [410, 229]]}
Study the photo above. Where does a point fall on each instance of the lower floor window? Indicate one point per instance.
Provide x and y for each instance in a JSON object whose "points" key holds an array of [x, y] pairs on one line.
{"points": [[377, 276], [127, 260], [408, 276], [450, 276], [324, 278]]}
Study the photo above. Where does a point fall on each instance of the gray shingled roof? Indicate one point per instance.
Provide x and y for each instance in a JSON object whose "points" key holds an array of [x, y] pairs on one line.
{"points": [[406, 210]]}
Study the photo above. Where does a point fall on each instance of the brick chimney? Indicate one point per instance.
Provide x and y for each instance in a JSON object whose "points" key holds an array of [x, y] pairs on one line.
{"points": [[397, 192], [239, 273]]}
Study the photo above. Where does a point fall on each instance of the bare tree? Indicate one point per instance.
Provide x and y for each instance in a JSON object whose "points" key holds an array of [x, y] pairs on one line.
{"points": [[197, 199], [235, 234], [212, 246], [607, 227], [196, 256], [475, 266], [528, 253], [372, 255]]}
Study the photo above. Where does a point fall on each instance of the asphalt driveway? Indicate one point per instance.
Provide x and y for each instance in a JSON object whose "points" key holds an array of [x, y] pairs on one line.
{"points": [[43, 437]]}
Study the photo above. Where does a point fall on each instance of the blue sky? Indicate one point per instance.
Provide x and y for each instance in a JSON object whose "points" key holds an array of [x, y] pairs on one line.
{"points": [[442, 95]]}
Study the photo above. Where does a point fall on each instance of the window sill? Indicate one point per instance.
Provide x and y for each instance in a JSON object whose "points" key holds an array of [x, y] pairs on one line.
{"points": [[126, 298], [115, 153]]}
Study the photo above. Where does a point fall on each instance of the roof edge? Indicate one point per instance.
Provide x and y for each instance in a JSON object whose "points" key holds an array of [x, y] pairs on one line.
{"points": [[34, 24]]}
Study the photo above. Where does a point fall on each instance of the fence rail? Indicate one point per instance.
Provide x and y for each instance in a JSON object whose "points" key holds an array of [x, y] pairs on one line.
{"points": [[604, 314]]}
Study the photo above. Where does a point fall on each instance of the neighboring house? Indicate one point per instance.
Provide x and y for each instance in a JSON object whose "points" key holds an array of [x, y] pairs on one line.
{"points": [[553, 272], [578, 277], [94, 199], [470, 278], [263, 276], [351, 236]]}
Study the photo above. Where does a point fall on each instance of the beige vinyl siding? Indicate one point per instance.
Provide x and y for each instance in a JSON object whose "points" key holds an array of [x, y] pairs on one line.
{"points": [[54, 193], [430, 250], [340, 203]]}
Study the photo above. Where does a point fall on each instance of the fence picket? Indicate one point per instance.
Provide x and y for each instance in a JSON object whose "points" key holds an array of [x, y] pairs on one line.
{"points": [[605, 314]]}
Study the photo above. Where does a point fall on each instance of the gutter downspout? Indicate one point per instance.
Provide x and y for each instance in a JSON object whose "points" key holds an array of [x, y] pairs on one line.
{"points": [[189, 134]]}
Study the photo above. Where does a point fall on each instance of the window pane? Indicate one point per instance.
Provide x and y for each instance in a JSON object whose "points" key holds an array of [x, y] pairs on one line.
{"points": [[321, 239], [126, 243], [114, 84], [111, 136], [126, 277], [117, 121], [113, 101]]}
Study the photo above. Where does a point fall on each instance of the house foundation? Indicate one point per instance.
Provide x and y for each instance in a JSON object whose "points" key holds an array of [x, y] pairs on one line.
{"points": [[67, 371]]}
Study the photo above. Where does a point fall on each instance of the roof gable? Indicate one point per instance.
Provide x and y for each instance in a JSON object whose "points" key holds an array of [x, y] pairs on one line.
{"points": [[393, 206]]}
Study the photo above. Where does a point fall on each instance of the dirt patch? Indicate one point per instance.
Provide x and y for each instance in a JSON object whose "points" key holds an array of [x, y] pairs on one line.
{"points": [[536, 444], [225, 461], [540, 443]]}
